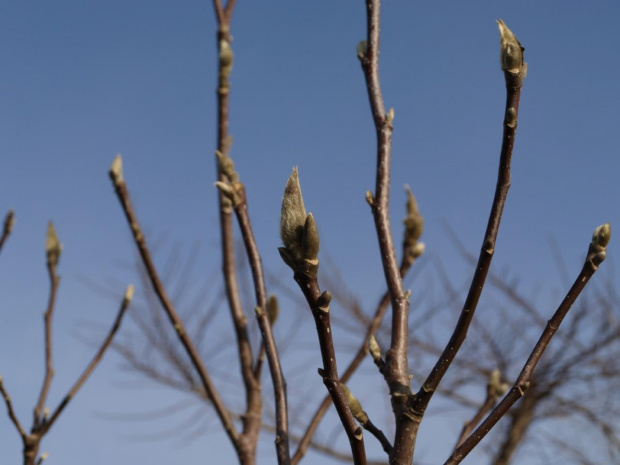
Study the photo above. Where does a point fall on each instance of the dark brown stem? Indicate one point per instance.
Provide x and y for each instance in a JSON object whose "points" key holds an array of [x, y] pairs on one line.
{"points": [[522, 383], [9, 222], [320, 311], [305, 441], [11, 412], [514, 81], [188, 345], [279, 385], [49, 366], [377, 433], [47, 424]]}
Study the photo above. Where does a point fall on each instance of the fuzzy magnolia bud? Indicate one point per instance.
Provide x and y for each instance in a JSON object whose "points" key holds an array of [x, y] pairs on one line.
{"points": [[374, 349], [414, 222], [511, 52], [53, 247], [362, 49], [272, 309], [310, 239], [597, 250], [354, 405], [292, 217], [129, 292], [226, 57], [116, 169]]}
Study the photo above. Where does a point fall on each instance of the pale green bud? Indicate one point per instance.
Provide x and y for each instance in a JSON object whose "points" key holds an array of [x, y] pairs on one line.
{"points": [[53, 247], [511, 52]]}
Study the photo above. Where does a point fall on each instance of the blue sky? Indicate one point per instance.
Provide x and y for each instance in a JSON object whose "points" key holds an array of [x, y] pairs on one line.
{"points": [[82, 81]]}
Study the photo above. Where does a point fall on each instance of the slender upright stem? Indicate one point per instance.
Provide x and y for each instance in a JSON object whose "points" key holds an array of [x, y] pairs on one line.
{"points": [[514, 81], [279, 385], [319, 305], [49, 364], [11, 412]]}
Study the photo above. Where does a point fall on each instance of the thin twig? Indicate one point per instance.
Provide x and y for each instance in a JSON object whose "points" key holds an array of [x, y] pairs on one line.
{"points": [[9, 222], [523, 380], [49, 366], [514, 81], [47, 424], [123, 196], [279, 385], [11, 412]]}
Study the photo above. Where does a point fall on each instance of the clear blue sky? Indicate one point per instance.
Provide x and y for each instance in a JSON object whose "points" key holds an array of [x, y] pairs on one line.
{"points": [[82, 81]]}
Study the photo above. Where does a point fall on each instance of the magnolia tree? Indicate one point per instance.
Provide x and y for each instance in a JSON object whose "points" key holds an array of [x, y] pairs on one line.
{"points": [[387, 343], [300, 251]]}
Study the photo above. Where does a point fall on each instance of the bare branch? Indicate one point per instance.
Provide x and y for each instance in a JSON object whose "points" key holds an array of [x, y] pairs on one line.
{"points": [[514, 81], [596, 254], [11, 412], [116, 175], [47, 424]]}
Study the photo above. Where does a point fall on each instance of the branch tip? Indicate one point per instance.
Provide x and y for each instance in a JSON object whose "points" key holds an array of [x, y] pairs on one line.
{"points": [[53, 247], [129, 292], [511, 51]]}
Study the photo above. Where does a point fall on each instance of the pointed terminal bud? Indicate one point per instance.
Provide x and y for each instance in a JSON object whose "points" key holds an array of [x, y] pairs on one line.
{"points": [[292, 216], [53, 247], [273, 309], [511, 52], [129, 292], [9, 221], [354, 405], [310, 239], [322, 303], [597, 250], [374, 349], [362, 49], [116, 170], [226, 166]]}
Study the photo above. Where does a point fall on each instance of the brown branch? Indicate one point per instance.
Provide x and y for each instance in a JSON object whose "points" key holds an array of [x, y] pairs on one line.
{"points": [[53, 248], [9, 222], [596, 255], [396, 371], [514, 81], [251, 379], [302, 448], [11, 412], [123, 196], [47, 424], [279, 386]]}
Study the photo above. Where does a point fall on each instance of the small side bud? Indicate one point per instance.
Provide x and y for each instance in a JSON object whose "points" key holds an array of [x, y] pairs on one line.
{"points": [[53, 247], [310, 239], [287, 257], [374, 349], [292, 216], [389, 118], [354, 405], [511, 117], [273, 309], [116, 170], [362, 49], [225, 189], [418, 249], [495, 386], [226, 166], [46, 413], [226, 57], [322, 303], [129, 292], [511, 52], [414, 224], [370, 198]]}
